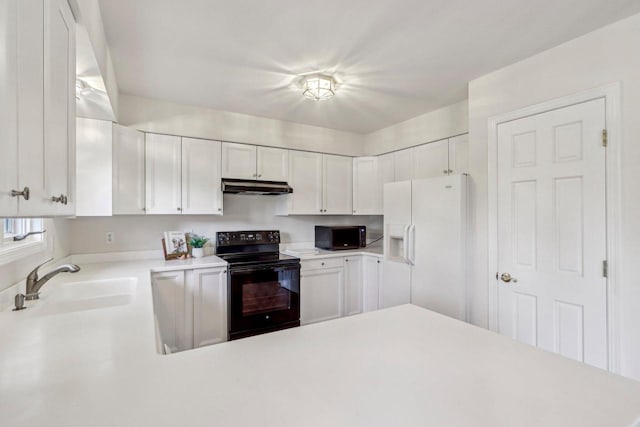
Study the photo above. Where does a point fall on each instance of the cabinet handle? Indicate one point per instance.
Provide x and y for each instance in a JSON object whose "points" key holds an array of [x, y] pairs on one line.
{"points": [[322, 263], [219, 209], [444, 172], [65, 199], [320, 210], [378, 261], [24, 193], [60, 199], [450, 171], [179, 209], [346, 260], [260, 175]]}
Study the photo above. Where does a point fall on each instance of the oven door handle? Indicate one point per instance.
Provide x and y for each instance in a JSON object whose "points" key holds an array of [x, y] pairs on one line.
{"points": [[276, 269]]}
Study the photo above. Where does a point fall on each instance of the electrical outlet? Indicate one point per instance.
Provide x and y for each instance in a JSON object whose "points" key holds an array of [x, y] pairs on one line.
{"points": [[110, 237]]}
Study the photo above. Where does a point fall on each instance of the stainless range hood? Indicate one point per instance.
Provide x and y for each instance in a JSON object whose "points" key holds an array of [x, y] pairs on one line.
{"points": [[242, 186]]}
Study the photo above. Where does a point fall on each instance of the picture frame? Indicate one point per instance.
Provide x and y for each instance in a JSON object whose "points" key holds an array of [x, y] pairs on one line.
{"points": [[175, 245]]}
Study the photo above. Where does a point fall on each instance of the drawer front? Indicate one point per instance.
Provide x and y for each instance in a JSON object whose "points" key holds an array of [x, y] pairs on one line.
{"points": [[316, 264]]}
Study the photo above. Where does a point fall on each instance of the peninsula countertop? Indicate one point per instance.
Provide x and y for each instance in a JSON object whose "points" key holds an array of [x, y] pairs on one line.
{"points": [[399, 366]]}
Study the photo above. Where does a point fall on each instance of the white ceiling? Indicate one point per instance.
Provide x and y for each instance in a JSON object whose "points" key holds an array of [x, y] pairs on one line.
{"points": [[396, 59]]}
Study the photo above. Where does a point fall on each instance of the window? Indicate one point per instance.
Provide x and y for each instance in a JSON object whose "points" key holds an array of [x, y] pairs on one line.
{"points": [[15, 240]]}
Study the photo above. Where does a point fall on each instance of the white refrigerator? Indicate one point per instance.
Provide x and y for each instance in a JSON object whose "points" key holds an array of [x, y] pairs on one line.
{"points": [[425, 234]]}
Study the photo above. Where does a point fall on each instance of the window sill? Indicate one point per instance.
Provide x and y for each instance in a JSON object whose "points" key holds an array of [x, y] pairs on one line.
{"points": [[17, 251]]}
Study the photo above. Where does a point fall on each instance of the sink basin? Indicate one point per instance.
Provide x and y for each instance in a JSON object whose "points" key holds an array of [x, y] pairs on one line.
{"points": [[83, 296]]}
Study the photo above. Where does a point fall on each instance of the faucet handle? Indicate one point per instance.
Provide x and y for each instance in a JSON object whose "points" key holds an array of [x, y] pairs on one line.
{"points": [[34, 272]]}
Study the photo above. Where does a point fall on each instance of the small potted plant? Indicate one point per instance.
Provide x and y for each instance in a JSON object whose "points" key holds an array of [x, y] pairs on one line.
{"points": [[197, 245]]}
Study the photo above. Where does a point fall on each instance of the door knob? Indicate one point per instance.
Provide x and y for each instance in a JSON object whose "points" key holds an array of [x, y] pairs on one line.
{"points": [[506, 277]]}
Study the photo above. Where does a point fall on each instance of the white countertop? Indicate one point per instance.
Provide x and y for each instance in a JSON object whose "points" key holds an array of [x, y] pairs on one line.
{"points": [[401, 366]]}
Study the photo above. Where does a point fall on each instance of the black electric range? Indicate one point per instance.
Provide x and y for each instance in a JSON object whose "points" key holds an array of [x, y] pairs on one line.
{"points": [[263, 285]]}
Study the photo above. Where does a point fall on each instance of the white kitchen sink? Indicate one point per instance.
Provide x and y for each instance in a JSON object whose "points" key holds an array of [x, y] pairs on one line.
{"points": [[83, 296]]}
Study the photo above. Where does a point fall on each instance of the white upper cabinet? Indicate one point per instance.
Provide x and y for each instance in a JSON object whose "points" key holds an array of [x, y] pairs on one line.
{"points": [[239, 161], [431, 160], [201, 187], [163, 174], [459, 154], [367, 186], [305, 177], [337, 185], [387, 168], [60, 103], [403, 164], [272, 164], [37, 108], [94, 167], [8, 113], [128, 171]]}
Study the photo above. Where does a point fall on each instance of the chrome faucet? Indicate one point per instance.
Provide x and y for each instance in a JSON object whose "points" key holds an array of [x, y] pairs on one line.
{"points": [[34, 283]]}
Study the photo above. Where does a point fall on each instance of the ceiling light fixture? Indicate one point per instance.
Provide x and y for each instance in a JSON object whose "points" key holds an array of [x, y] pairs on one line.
{"points": [[319, 87]]}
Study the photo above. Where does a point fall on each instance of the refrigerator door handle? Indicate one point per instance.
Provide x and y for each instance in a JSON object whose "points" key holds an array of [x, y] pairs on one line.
{"points": [[411, 244], [405, 243]]}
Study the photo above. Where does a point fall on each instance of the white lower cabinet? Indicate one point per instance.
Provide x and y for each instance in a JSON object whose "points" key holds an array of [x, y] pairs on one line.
{"points": [[190, 308], [321, 294], [372, 276], [209, 305], [336, 287], [354, 287]]}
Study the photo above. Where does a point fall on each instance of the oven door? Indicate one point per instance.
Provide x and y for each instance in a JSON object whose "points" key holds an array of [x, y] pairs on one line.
{"points": [[264, 297]]}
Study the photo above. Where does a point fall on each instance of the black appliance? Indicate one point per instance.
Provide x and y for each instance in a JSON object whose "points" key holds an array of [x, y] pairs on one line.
{"points": [[245, 186], [341, 237], [263, 285]]}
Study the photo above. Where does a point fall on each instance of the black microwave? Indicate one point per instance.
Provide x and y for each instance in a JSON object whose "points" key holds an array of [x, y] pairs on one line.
{"points": [[341, 237]]}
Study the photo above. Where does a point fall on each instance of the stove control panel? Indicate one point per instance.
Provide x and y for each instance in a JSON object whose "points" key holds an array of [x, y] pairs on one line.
{"points": [[235, 238]]}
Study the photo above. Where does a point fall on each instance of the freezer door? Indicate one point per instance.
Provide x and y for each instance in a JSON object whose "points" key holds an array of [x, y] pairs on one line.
{"points": [[439, 236]]}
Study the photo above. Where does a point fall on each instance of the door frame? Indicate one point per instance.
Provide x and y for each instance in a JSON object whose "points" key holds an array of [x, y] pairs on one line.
{"points": [[611, 93]]}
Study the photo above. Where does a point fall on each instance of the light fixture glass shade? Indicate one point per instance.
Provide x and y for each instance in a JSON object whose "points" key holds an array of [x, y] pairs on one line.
{"points": [[319, 87]]}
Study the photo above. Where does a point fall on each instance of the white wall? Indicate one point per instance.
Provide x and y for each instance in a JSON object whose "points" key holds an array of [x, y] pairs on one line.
{"points": [[176, 119], [58, 247], [439, 124], [241, 212], [607, 55]]}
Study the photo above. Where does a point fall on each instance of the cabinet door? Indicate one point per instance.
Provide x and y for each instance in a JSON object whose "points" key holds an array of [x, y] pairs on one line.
{"points": [[128, 171], [94, 142], [372, 269], [305, 177], [238, 161], [431, 160], [168, 290], [353, 283], [459, 154], [337, 185], [60, 104], [395, 286], [8, 113], [31, 148], [367, 186], [403, 164], [273, 164], [201, 188], [163, 175], [386, 165], [209, 306], [321, 295]]}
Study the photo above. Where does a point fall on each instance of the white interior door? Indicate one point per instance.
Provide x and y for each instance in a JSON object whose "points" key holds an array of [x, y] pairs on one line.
{"points": [[552, 231]]}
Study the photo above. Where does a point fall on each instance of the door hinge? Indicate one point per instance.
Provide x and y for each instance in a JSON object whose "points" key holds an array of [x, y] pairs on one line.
{"points": [[605, 268], [605, 138]]}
